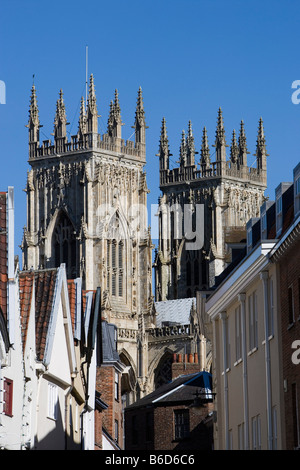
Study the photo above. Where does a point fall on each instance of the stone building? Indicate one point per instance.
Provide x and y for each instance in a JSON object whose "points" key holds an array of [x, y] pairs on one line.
{"points": [[254, 310], [203, 209], [86, 207]]}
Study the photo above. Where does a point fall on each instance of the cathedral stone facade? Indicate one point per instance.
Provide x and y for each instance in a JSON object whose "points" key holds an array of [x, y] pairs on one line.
{"points": [[204, 208], [87, 208]]}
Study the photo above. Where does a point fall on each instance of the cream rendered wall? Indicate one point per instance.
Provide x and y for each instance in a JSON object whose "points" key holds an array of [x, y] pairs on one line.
{"points": [[256, 376], [31, 384], [59, 366], [11, 367], [50, 432]]}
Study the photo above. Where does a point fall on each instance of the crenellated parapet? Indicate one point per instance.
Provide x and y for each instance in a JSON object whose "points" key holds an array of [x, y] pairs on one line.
{"points": [[87, 137], [235, 166]]}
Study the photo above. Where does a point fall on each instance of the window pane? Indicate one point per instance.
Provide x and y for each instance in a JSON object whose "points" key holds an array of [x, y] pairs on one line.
{"points": [[182, 423], [7, 396]]}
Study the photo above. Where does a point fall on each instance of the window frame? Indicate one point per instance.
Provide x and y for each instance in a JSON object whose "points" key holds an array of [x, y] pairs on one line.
{"points": [[238, 334], [8, 390], [253, 321], [53, 401], [181, 424], [117, 386]]}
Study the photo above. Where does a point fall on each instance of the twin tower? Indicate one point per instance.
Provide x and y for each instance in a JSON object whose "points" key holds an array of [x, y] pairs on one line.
{"points": [[87, 208]]}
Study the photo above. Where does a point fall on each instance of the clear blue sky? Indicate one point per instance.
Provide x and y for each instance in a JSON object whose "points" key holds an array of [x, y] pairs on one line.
{"points": [[189, 57]]}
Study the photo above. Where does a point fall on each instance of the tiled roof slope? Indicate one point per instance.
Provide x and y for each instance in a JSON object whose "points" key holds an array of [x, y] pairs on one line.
{"points": [[3, 256], [44, 295], [72, 300], [26, 280], [44, 282]]}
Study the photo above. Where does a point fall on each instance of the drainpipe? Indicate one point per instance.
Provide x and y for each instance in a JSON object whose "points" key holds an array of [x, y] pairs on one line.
{"points": [[264, 277], [223, 317], [66, 414], [242, 298]]}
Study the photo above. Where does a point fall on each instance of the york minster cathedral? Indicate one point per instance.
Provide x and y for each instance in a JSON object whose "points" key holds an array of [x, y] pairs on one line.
{"points": [[87, 208]]}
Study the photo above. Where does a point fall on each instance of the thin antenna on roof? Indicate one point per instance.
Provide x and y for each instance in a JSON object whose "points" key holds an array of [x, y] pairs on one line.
{"points": [[86, 73]]}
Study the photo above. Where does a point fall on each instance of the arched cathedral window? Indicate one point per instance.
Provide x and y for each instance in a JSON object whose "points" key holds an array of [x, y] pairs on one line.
{"points": [[116, 260], [64, 245]]}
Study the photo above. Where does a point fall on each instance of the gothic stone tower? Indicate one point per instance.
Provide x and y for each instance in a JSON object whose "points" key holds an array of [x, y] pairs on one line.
{"points": [[203, 209], [86, 207]]}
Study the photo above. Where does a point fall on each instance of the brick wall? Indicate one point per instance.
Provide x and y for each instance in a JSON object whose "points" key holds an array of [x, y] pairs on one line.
{"points": [[152, 427], [98, 429], [164, 433], [184, 364], [290, 277], [106, 386], [139, 429]]}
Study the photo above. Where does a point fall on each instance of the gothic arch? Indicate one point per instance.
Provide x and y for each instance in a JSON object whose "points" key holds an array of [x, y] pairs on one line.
{"points": [[160, 371], [116, 226], [129, 377], [116, 247], [61, 243]]}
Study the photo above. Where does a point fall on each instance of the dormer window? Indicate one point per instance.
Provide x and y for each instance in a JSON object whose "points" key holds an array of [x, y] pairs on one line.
{"points": [[283, 200], [297, 186], [249, 238], [297, 190], [267, 213], [264, 223], [279, 205], [253, 233]]}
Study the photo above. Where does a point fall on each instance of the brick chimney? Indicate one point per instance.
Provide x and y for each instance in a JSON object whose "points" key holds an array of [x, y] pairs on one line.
{"points": [[184, 364]]}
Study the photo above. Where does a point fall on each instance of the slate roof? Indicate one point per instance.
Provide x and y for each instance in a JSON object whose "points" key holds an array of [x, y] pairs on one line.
{"points": [[174, 311], [109, 350], [182, 389]]}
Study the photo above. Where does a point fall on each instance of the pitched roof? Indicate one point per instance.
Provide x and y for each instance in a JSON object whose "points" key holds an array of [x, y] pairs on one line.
{"points": [[44, 295], [183, 389], [44, 283], [26, 281], [174, 311], [72, 300]]}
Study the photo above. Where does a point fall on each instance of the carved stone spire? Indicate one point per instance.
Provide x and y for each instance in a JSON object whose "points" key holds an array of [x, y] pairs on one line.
{"points": [[242, 146], [183, 150], [164, 152], [110, 122], [114, 125], [82, 120], [33, 121], [261, 151], [220, 142], [234, 149], [190, 146], [92, 113], [60, 120], [205, 156], [140, 124]]}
